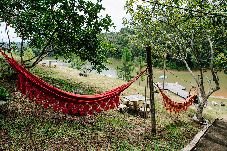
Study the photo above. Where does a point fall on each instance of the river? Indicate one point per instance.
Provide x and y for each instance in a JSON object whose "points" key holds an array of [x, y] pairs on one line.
{"points": [[182, 77]]}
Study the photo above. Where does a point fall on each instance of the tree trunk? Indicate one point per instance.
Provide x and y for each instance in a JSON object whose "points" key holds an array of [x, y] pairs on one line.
{"points": [[202, 98], [151, 86], [199, 113], [21, 51]]}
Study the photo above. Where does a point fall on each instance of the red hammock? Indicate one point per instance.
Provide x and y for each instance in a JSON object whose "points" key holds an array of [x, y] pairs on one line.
{"points": [[68, 103], [176, 107]]}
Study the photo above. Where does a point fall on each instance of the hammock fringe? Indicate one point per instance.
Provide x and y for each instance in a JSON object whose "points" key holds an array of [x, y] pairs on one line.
{"points": [[176, 107]]}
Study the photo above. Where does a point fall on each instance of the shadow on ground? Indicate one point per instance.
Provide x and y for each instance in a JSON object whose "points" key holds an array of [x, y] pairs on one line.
{"points": [[215, 138]]}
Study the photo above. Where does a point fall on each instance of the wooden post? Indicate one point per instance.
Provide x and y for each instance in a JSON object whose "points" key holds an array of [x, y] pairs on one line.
{"points": [[21, 50], [145, 108], [151, 87], [49, 63], [145, 104], [164, 70]]}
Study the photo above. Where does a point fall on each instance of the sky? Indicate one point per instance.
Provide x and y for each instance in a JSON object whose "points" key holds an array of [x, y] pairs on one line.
{"points": [[114, 8], [12, 34]]}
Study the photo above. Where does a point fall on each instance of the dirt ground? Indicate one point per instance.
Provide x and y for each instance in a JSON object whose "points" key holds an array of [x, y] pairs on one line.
{"points": [[215, 139]]}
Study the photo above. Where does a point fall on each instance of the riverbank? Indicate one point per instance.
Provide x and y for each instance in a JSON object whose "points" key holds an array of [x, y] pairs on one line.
{"points": [[184, 78]]}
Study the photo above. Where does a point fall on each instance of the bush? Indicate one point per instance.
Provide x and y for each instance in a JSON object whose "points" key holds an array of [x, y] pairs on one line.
{"points": [[4, 94], [28, 54], [5, 69]]}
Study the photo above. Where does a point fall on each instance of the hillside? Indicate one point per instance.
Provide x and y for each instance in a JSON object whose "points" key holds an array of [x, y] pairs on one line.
{"points": [[22, 119]]}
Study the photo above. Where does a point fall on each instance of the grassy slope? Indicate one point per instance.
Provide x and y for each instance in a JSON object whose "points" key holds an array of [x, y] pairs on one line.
{"points": [[26, 126]]}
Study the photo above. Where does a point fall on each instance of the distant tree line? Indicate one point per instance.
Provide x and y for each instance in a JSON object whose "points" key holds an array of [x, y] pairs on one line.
{"points": [[124, 40]]}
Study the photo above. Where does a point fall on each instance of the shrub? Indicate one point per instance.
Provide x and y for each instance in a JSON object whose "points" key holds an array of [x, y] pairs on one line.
{"points": [[28, 54], [4, 94], [3, 67], [6, 70]]}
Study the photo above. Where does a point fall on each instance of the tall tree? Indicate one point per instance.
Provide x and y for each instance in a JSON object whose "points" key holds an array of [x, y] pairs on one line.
{"points": [[186, 30], [126, 69], [59, 27]]}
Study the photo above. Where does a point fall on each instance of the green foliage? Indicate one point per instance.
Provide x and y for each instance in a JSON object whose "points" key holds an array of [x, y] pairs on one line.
{"points": [[59, 27], [4, 94], [192, 32], [5, 69], [125, 71], [181, 32], [221, 62], [121, 40], [76, 62], [126, 38], [3, 66], [140, 64], [28, 54]]}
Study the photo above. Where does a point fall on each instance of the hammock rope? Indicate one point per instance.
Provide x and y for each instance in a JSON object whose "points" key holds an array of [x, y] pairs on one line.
{"points": [[68, 103], [176, 107], [169, 104]]}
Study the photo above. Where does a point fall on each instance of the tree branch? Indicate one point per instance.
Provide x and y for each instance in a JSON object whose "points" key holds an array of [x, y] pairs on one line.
{"points": [[192, 47], [37, 56], [40, 57], [181, 53], [189, 69], [9, 42], [29, 59], [43, 52], [186, 64], [214, 74]]}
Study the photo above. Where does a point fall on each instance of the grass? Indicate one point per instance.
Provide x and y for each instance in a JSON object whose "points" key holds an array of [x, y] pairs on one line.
{"points": [[96, 82], [216, 110], [27, 126], [66, 85]]}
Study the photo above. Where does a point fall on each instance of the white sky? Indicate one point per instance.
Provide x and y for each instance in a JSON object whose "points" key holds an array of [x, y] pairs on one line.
{"points": [[114, 8], [4, 36]]}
